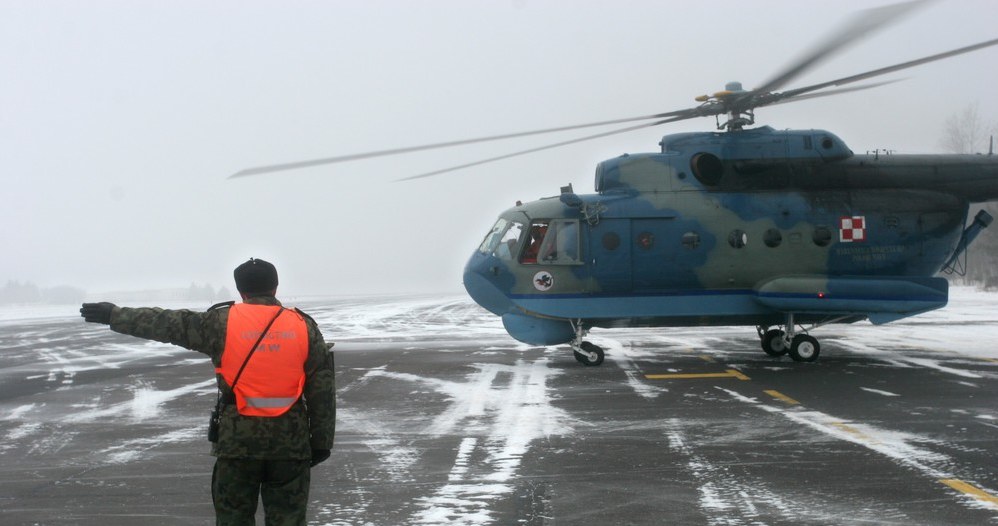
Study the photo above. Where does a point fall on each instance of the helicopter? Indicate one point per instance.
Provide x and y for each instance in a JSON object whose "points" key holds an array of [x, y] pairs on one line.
{"points": [[782, 230]]}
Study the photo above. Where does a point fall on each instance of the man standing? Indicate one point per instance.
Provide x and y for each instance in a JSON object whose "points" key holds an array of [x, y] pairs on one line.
{"points": [[277, 403]]}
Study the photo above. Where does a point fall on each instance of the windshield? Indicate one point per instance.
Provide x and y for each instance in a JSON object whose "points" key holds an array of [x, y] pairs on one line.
{"points": [[493, 237], [502, 240], [551, 242], [508, 241]]}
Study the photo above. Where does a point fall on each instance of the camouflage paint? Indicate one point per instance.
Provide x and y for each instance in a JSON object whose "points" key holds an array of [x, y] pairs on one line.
{"points": [[713, 229]]}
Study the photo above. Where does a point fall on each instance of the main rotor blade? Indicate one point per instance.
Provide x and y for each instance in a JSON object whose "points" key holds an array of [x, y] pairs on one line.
{"points": [[861, 24], [409, 149], [542, 148], [830, 93], [773, 98]]}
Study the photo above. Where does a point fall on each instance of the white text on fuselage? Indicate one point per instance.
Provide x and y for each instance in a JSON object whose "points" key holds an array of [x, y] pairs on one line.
{"points": [[869, 254]]}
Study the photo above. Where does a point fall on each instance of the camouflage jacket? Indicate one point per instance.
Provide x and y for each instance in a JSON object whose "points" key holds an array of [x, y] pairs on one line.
{"points": [[310, 424]]}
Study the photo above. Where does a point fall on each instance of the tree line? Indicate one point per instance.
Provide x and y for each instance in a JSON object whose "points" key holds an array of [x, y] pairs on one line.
{"points": [[26, 293], [968, 132], [16, 292]]}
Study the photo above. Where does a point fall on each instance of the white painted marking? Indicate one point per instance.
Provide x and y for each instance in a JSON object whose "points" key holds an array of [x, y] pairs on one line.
{"points": [[879, 392], [901, 447]]}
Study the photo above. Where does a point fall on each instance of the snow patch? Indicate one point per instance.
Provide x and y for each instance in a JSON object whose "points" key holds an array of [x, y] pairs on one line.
{"points": [[18, 411], [132, 450], [623, 356], [145, 404], [509, 411]]}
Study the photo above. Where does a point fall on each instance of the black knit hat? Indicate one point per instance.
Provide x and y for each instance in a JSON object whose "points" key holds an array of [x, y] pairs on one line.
{"points": [[256, 276]]}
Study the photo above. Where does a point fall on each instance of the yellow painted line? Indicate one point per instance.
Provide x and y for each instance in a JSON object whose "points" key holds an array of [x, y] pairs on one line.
{"points": [[971, 490], [782, 397], [730, 373], [853, 431]]}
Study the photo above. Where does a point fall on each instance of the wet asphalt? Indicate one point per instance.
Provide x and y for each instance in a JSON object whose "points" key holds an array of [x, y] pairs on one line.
{"points": [[703, 430]]}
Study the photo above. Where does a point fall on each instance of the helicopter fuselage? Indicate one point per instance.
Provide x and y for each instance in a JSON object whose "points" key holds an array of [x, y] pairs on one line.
{"points": [[738, 228]]}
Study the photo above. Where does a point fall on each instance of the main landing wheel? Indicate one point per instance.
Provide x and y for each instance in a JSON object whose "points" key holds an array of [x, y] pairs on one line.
{"points": [[773, 342], [804, 348], [589, 354]]}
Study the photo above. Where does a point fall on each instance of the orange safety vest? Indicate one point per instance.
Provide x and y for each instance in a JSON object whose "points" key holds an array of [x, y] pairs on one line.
{"points": [[274, 376]]}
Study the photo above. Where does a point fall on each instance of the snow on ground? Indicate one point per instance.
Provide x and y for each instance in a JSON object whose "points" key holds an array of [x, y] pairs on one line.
{"points": [[964, 326], [967, 326], [499, 410]]}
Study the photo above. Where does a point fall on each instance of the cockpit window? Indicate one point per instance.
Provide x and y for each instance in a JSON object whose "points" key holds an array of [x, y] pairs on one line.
{"points": [[502, 240], [508, 241], [493, 237], [554, 242]]}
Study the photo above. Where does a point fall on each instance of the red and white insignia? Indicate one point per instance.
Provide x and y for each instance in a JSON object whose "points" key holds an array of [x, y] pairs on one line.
{"points": [[852, 229], [543, 281]]}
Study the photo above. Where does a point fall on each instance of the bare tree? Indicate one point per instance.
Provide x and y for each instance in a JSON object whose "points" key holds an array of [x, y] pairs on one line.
{"points": [[966, 133]]}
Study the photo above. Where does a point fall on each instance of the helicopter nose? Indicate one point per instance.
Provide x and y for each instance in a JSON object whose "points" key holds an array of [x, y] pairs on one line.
{"points": [[482, 281]]}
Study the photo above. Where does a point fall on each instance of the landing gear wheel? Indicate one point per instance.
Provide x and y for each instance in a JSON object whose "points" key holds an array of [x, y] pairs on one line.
{"points": [[589, 354], [804, 348], [773, 342]]}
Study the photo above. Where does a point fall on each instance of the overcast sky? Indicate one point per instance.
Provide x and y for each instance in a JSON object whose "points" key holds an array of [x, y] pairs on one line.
{"points": [[120, 121]]}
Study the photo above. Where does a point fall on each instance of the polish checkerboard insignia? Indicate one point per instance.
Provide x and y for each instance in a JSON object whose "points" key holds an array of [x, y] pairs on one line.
{"points": [[852, 229]]}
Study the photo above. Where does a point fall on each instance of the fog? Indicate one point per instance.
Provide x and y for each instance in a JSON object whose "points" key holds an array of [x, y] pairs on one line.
{"points": [[121, 121]]}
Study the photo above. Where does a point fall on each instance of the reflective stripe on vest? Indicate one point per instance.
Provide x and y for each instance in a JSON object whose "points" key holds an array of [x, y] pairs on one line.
{"points": [[274, 377], [269, 402]]}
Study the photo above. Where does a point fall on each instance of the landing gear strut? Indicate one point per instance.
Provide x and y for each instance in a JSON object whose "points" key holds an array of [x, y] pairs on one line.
{"points": [[801, 347], [587, 353]]}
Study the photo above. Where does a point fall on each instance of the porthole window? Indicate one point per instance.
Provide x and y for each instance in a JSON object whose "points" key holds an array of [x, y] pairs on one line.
{"points": [[822, 236], [737, 238], [772, 238], [611, 240], [691, 240], [646, 240]]}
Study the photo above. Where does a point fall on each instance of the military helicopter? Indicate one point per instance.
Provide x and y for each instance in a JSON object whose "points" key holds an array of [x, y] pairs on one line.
{"points": [[786, 231]]}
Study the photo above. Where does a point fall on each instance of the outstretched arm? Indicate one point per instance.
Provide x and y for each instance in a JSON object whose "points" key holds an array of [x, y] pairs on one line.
{"points": [[198, 331]]}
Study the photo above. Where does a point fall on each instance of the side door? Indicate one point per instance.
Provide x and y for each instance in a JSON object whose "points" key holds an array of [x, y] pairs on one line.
{"points": [[610, 250], [657, 243]]}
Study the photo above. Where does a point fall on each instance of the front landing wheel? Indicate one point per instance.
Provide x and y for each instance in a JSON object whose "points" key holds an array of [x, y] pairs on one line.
{"points": [[804, 348], [589, 354]]}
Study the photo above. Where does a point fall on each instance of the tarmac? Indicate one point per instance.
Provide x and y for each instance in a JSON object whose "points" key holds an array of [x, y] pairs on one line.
{"points": [[445, 420]]}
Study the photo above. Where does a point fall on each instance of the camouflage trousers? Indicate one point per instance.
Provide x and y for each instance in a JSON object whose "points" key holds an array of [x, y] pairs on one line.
{"points": [[237, 484]]}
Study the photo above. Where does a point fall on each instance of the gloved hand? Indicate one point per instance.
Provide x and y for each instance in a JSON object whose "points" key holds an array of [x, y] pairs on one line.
{"points": [[318, 456], [97, 312]]}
